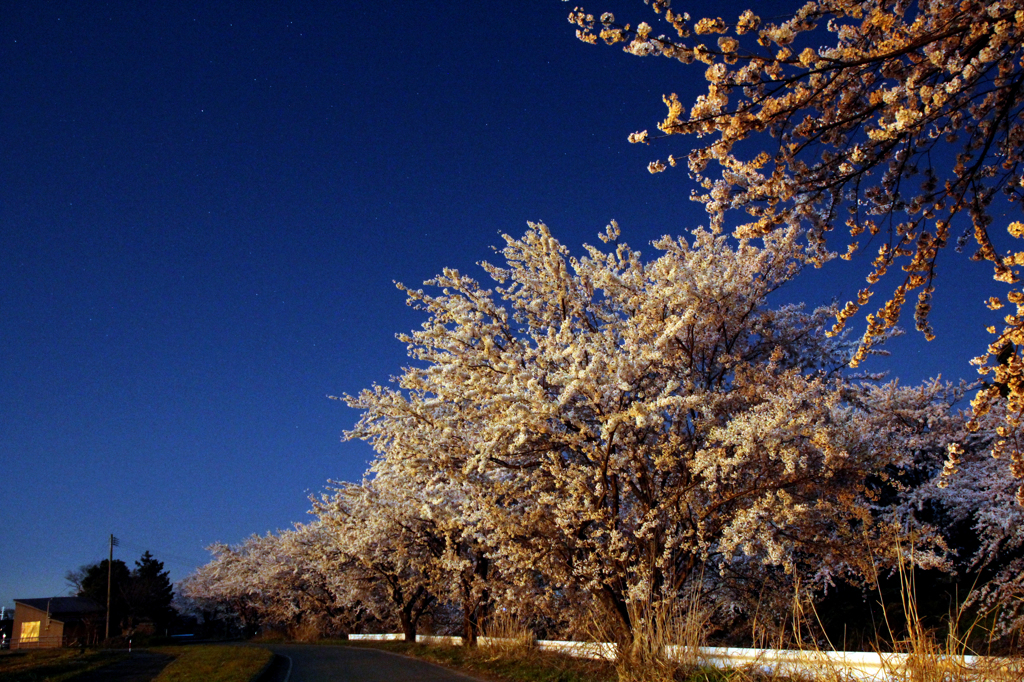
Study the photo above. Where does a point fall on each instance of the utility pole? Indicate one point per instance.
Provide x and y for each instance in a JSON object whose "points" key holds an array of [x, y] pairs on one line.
{"points": [[110, 566]]}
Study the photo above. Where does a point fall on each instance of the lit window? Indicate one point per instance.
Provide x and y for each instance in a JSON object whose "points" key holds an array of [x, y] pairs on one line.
{"points": [[30, 631]]}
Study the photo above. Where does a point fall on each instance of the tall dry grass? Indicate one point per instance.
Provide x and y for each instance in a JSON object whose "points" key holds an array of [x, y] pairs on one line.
{"points": [[664, 641], [305, 631], [506, 635], [908, 649], [667, 636], [947, 654]]}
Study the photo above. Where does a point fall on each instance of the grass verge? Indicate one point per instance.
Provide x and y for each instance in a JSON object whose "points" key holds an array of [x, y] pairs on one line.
{"points": [[534, 666], [51, 665], [213, 663]]}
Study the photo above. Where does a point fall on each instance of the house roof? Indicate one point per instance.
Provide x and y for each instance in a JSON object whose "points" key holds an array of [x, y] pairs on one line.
{"points": [[59, 607]]}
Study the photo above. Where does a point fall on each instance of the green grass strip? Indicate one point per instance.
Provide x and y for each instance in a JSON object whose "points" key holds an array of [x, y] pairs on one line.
{"points": [[51, 665], [213, 663]]}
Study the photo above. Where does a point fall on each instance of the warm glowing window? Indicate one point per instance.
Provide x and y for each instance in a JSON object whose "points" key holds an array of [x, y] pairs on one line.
{"points": [[30, 631]]}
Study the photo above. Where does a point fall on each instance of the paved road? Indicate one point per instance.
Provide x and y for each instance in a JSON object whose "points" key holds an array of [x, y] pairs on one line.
{"points": [[140, 666], [317, 663]]}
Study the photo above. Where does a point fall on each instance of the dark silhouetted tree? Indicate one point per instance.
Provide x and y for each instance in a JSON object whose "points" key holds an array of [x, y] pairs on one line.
{"points": [[149, 593], [140, 595], [91, 582]]}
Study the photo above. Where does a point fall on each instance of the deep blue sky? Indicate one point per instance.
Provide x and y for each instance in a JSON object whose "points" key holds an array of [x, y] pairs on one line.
{"points": [[203, 208]]}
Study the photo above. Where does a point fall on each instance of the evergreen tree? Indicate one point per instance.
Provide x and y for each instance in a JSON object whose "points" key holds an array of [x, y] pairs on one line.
{"points": [[149, 592]]}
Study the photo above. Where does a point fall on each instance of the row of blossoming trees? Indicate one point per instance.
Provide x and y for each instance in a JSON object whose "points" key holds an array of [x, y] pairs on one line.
{"points": [[608, 433], [586, 437]]}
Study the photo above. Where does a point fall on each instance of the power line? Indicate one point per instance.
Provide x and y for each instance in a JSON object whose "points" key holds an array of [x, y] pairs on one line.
{"points": [[164, 556]]}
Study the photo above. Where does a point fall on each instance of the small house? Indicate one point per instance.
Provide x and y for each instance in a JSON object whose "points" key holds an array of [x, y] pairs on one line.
{"points": [[56, 622]]}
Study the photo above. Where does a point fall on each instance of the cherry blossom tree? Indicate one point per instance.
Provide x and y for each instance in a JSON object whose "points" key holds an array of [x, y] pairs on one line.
{"points": [[905, 117], [317, 596], [278, 580], [998, 526], [460, 564], [224, 587], [384, 544], [627, 423], [977, 496]]}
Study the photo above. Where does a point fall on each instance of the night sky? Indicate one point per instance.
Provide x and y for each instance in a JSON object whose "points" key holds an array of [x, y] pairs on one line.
{"points": [[203, 211]]}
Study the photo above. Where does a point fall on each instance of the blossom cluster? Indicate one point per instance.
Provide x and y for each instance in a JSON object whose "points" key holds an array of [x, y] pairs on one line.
{"points": [[907, 119]]}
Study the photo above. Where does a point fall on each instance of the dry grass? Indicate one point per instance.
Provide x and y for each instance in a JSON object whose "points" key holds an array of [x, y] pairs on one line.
{"points": [[665, 640], [928, 656], [505, 635], [485, 662], [912, 653], [304, 632]]}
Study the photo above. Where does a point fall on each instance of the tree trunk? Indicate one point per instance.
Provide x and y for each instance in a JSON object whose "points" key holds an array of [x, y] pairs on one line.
{"points": [[617, 605], [469, 625], [408, 626], [473, 611]]}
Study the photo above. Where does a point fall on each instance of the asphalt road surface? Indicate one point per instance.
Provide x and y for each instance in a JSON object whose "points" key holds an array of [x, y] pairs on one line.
{"points": [[317, 663], [140, 666]]}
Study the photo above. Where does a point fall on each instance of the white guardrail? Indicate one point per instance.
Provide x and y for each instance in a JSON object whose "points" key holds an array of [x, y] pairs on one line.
{"points": [[863, 666]]}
